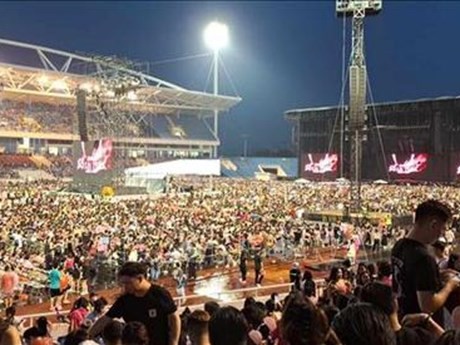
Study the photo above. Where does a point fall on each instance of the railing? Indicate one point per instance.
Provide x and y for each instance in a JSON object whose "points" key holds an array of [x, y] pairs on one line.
{"points": [[255, 292]]}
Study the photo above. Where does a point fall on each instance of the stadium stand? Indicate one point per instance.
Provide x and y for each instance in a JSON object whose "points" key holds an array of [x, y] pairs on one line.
{"points": [[161, 125], [248, 167], [194, 128]]}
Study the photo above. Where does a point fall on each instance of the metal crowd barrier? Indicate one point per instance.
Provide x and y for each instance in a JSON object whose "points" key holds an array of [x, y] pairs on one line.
{"points": [[256, 292]]}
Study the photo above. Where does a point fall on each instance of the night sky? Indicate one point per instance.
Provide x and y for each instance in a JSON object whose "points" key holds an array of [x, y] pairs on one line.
{"points": [[282, 55]]}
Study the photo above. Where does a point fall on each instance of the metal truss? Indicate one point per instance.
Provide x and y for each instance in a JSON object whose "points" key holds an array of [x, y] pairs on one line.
{"points": [[55, 73], [358, 85]]}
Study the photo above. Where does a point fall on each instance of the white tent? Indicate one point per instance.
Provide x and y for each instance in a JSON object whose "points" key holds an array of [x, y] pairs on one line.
{"points": [[302, 181], [342, 180], [202, 167]]}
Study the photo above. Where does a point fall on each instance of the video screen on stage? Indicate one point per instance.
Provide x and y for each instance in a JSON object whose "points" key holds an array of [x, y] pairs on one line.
{"points": [[93, 162], [404, 165], [320, 166], [95, 156]]}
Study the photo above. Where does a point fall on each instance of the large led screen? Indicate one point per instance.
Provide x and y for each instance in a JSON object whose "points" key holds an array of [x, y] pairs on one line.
{"points": [[415, 163], [95, 156], [320, 165], [93, 164]]}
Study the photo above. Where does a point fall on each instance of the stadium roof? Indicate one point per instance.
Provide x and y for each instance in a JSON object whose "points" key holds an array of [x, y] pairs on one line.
{"points": [[28, 69], [297, 113]]}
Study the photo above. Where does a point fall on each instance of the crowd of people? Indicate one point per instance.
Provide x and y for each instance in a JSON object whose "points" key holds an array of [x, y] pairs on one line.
{"points": [[74, 243], [43, 117], [359, 306], [191, 231], [35, 116], [218, 225]]}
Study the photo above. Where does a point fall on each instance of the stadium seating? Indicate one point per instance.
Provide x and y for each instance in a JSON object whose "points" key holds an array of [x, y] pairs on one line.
{"points": [[56, 118], [36, 117], [161, 126], [16, 161]]}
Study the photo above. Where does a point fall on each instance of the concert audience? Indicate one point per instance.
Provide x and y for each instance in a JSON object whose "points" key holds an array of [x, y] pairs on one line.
{"points": [[90, 238]]}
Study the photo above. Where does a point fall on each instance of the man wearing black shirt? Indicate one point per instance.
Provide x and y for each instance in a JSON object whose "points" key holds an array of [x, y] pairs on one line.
{"points": [[149, 304], [416, 277]]}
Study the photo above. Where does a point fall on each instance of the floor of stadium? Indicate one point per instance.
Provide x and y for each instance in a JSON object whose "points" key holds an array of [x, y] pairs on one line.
{"points": [[217, 283]]}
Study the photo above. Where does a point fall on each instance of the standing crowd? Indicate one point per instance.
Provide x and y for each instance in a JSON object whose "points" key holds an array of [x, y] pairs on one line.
{"points": [[411, 300]]}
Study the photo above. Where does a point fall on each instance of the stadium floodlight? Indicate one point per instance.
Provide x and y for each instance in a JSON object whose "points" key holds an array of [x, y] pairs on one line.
{"points": [[216, 36]]}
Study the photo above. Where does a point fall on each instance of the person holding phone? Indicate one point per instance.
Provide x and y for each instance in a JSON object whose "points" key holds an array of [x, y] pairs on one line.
{"points": [[416, 276]]}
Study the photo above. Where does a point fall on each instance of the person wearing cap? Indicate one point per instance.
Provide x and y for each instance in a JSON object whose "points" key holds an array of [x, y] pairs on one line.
{"points": [[150, 304]]}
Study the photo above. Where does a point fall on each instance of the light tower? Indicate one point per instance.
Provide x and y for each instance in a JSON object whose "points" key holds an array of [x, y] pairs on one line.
{"points": [[357, 9], [216, 38]]}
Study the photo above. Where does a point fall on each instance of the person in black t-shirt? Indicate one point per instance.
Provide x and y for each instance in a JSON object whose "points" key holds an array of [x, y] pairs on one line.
{"points": [[144, 302], [416, 277]]}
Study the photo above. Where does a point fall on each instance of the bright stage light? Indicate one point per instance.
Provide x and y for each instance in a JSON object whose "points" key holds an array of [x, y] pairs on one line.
{"points": [[43, 80], [88, 87], [216, 35], [59, 85]]}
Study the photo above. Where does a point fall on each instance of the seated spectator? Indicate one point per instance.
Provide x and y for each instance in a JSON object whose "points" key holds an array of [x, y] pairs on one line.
{"points": [[211, 307], [39, 330], [78, 313], [363, 324], [76, 337], [331, 311], [309, 285], [98, 310], [271, 310], [384, 272], [197, 327], [276, 299], [337, 284], [304, 324], [248, 301], [112, 333], [135, 333], [11, 317], [255, 316], [415, 328], [9, 335], [228, 327]]}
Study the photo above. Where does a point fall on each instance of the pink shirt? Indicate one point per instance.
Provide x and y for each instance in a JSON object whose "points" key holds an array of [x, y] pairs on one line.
{"points": [[77, 317], [9, 282]]}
